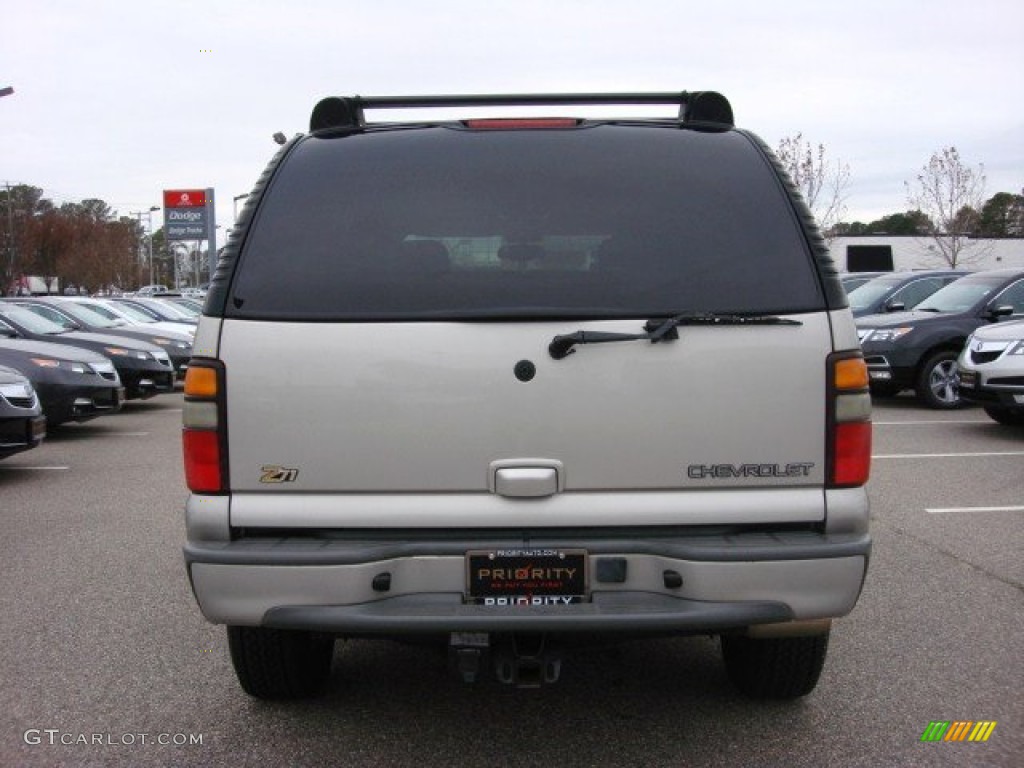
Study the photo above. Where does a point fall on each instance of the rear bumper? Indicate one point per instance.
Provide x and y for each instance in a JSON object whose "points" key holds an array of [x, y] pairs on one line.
{"points": [[727, 582]]}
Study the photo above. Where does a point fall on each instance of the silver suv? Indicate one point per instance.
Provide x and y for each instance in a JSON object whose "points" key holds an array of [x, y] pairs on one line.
{"points": [[521, 383]]}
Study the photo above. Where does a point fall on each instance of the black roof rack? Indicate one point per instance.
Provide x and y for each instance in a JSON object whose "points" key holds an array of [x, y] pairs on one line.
{"points": [[348, 111]]}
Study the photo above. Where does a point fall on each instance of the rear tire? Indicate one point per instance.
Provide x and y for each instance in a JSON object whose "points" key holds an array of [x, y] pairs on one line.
{"points": [[938, 383], [774, 668], [279, 663], [1011, 417]]}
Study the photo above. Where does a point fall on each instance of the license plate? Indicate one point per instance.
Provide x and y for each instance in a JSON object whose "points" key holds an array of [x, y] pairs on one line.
{"points": [[526, 577]]}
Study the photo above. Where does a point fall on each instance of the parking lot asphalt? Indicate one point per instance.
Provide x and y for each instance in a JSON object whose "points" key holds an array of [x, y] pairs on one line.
{"points": [[105, 660]]}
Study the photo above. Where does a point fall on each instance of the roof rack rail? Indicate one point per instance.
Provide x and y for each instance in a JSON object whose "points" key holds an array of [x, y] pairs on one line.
{"points": [[348, 111]]}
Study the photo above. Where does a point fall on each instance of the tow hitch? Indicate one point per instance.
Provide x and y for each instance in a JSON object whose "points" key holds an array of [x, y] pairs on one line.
{"points": [[525, 660]]}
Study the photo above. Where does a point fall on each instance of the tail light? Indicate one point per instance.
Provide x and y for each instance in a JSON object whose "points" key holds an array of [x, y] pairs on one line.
{"points": [[849, 421], [204, 436]]}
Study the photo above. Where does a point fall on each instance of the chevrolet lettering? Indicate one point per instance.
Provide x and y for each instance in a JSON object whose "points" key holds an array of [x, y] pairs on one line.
{"points": [[729, 471]]}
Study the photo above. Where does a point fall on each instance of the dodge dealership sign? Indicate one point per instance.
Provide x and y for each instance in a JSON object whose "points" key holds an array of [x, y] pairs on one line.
{"points": [[186, 214]]}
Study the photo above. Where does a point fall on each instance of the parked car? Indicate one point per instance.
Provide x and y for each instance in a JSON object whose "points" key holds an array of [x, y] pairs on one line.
{"points": [[918, 350], [158, 309], [991, 369], [190, 304], [145, 369], [71, 314], [72, 384], [396, 423], [151, 290], [853, 280], [131, 315], [899, 291], [22, 424]]}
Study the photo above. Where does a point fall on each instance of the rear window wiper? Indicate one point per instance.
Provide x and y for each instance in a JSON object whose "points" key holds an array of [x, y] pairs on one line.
{"points": [[659, 330]]}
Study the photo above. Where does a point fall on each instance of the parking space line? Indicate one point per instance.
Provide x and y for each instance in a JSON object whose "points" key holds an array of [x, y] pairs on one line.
{"points": [[945, 455], [37, 469], [942, 510], [928, 423]]}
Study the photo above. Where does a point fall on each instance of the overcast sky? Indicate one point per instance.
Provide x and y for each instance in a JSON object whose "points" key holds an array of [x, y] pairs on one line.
{"points": [[120, 99]]}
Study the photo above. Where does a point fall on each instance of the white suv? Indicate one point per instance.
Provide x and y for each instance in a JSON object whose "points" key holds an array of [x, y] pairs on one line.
{"points": [[523, 381]]}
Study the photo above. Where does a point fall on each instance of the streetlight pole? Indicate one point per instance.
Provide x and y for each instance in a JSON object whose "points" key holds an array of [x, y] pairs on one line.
{"points": [[149, 217], [7, 91], [149, 223], [10, 237]]}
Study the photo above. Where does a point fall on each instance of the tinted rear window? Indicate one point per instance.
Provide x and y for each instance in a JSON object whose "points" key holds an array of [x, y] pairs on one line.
{"points": [[601, 221]]}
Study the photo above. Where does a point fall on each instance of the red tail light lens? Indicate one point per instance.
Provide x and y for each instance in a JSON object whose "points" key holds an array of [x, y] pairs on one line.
{"points": [[852, 462], [202, 461]]}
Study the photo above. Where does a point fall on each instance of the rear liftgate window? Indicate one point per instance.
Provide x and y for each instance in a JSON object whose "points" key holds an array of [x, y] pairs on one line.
{"points": [[449, 223]]}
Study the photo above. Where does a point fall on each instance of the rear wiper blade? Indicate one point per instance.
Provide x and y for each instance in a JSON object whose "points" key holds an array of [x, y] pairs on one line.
{"points": [[659, 330]]}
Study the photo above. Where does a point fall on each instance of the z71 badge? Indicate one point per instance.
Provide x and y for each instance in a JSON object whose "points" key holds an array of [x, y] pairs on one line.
{"points": [[274, 474]]}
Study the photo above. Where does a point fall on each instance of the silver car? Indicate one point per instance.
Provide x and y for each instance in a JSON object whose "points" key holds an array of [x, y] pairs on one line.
{"points": [[991, 368]]}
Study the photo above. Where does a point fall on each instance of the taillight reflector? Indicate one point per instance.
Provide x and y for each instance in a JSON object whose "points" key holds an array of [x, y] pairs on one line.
{"points": [[202, 460], [852, 454]]}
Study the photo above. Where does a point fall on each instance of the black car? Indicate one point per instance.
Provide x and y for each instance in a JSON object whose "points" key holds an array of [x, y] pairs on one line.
{"points": [[22, 425], [144, 369], [899, 291], [70, 314], [918, 350], [72, 384]]}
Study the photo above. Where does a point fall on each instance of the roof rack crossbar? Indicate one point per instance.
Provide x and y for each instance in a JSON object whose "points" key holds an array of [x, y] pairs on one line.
{"points": [[348, 112]]}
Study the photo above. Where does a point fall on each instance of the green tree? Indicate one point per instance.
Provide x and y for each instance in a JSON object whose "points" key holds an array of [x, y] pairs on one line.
{"points": [[909, 223], [850, 229], [1002, 215]]}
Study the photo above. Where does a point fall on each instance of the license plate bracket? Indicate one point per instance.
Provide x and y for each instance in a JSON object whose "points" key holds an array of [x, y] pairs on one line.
{"points": [[526, 577]]}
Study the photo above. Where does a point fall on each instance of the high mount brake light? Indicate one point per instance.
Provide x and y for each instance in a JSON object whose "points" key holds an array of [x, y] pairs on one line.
{"points": [[849, 421], [204, 441], [520, 123]]}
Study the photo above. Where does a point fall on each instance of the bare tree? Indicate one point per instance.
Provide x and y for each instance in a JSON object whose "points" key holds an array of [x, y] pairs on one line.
{"points": [[951, 195], [822, 183]]}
